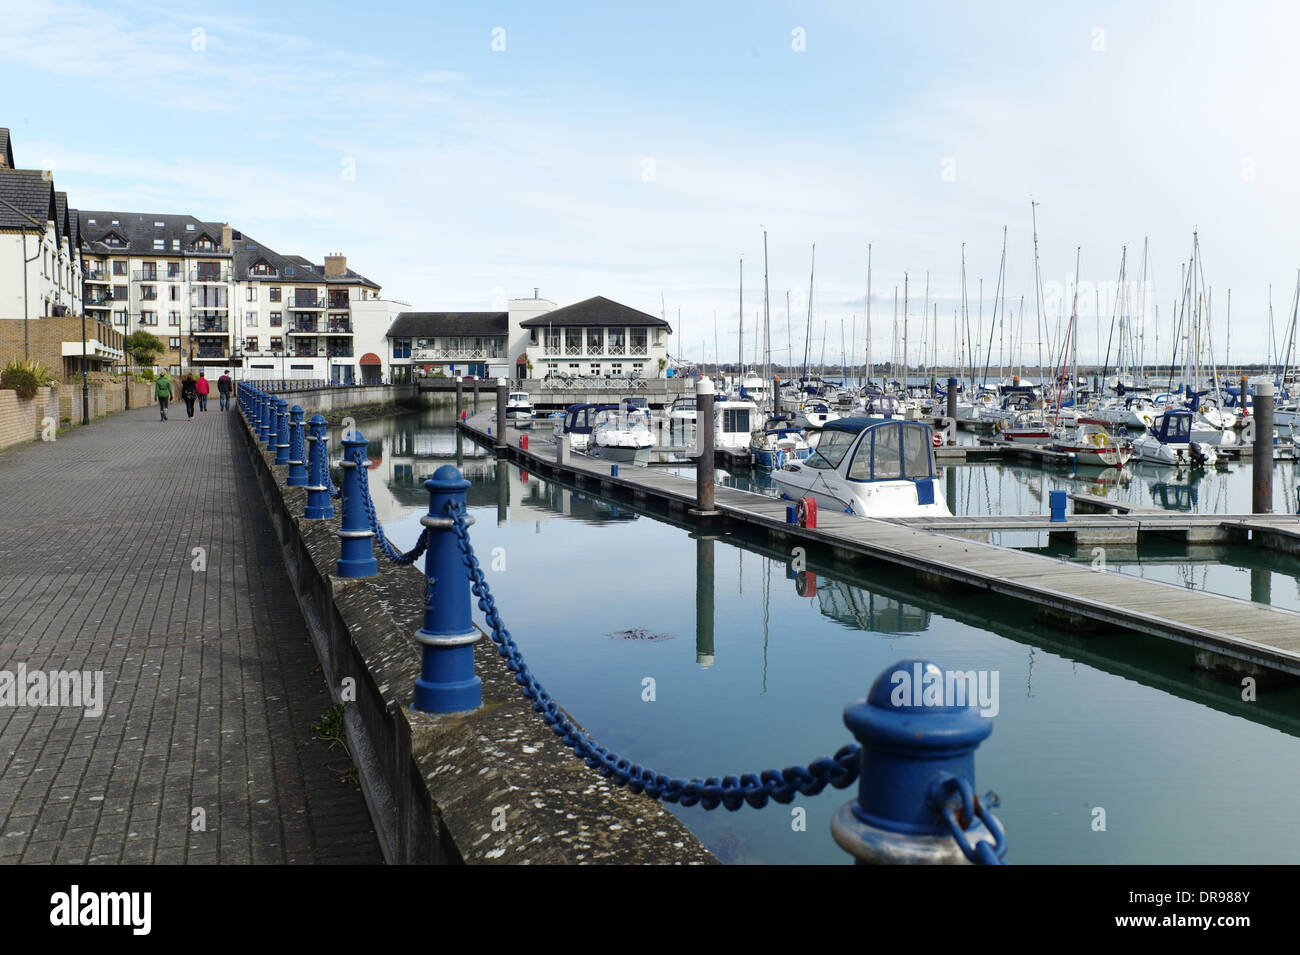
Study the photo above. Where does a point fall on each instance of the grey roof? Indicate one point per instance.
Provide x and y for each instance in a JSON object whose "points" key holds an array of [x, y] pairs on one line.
{"points": [[595, 312], [138, 231], [27, 194], [444, 324], [290, 268], [61, 214], [6, 147]]}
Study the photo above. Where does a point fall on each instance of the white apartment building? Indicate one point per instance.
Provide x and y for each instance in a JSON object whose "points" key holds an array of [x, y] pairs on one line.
{"points": [[217, 299]]}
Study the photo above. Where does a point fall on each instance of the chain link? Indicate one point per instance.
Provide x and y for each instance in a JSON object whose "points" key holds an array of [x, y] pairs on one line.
{"points": [[391, 552], [982, 853], [754, 789]]}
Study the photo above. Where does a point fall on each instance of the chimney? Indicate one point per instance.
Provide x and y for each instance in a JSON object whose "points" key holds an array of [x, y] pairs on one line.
{"points": [[227, 237], [336, 265], [534, 292]]}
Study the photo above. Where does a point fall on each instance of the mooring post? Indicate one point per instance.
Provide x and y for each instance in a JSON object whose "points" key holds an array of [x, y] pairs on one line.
{"points": [[704, 413], [263, 409], [952, 400], [475, 395], [272, 423], [503, 493], [460, 397], [447, 682], [913, 749], [297, 450], [319, 506], [704, 603], [281, 431], [502, 397], [776, 397], [356, 554], [1262, 453]]}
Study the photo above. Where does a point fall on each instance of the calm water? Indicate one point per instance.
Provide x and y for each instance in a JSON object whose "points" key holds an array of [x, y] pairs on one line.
{"points": [[600, 597]]}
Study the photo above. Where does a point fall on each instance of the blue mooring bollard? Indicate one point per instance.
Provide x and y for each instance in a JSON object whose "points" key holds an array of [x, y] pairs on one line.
{"points": [[264, 418], [447, 682], [297, 450], [319, 506], [791, 514], [356, 553], [912, 744], [613, 470], [281, 431], [1056, 502], [272, 426]]}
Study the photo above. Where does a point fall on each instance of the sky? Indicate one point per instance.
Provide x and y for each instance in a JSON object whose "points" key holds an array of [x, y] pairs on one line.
{"points": [[464, 154]]}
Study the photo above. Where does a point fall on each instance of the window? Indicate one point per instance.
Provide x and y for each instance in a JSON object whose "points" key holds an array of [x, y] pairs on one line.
{"points": [[880, 455], [209, 271], [595, 340], [916, 452], [119, 318], [573, 365], [831, 448], [149, 293], [175, 292], [159, 225], [250, 344], [275, 294], [204, 244], [113, 241], [119, 293], [189, 227], [735, 420], [275, 320], [173, 270], [277, 344], [173, 343], [250, 294], [617, 341], [159, 244], [148, 318], [250, 319], [176, 245], [119, 267], [401, 348], [174, 318], [595, 368]]}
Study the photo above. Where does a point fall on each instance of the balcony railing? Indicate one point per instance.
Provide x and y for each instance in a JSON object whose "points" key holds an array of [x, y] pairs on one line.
{"points": [[200, 325], [454, 354], [99, 301], [303, 353], [340, 352], [268, 274], [216, 276], [616, 349], [638, 350], [307, 301], [339, 302], [94, 275], [339, 327], [150, 275], [302, 328], [212, 351]]}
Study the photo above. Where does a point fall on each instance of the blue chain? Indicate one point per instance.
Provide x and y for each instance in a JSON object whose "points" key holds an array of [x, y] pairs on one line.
{"points": [[756, 789], [971, 809], [391, 552]]}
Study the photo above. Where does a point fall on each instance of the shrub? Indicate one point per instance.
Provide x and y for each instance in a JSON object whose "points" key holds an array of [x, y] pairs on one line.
{"points": [[24, 377]]}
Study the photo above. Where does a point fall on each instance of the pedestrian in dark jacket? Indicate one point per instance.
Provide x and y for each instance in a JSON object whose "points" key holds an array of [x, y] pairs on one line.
{"points": [[223, 389], [189, 392]]}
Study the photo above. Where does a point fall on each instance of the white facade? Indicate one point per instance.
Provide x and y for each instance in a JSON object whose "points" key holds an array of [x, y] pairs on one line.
{"points": [[600, 351], [522, 309], [53, 277], [372, 318]]}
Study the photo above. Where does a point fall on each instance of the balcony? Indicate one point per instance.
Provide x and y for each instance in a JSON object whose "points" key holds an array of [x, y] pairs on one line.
{"points": [[265, 274], [98, 299], [638, 350], [303, 353], [310, 302], [149, 275], [340, 352], [204, 299], [211, 353], [455, 354], [218, 276], [199, 326], [303, 327], [338, 301], [616, 348], [94, 275], [340, 326]]}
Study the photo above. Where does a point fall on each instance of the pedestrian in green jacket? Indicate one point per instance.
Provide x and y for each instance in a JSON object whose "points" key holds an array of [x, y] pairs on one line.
{"points": [[163, 392]]}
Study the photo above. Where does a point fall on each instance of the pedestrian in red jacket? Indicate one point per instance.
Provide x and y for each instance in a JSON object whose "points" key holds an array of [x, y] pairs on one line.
{"points": [[202, 387]]}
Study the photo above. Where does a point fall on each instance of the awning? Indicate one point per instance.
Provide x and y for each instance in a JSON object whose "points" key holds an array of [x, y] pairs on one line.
{"points": [[370, 358]]}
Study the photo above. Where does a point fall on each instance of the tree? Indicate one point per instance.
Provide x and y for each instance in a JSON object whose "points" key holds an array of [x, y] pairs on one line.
{"points": [[143, 347]]}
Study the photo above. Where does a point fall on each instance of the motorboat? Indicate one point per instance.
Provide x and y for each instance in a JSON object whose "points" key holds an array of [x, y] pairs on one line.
{"points": [[519, 407], [1170, 441], [814, 413], [772, 447], [1092, 446], [733, 422], [620, 435], [577, 424], [868, 467]]}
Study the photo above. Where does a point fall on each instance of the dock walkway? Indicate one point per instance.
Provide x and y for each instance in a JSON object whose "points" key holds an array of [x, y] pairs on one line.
{"points": [[1246, 633]]}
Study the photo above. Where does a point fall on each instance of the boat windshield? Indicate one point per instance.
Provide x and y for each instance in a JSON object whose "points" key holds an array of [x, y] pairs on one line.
{"points": [[831, 448], [891, 453]]}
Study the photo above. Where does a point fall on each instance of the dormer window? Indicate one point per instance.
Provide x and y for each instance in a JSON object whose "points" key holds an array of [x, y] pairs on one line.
{"points": [[159, 225], [204, 244], [189, 227], [113, 241], [262, 268]]}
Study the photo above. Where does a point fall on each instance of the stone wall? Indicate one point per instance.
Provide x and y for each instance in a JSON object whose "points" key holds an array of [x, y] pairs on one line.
{"points": [[336, 398], [105, 397], [22, 420], [491, 786]]}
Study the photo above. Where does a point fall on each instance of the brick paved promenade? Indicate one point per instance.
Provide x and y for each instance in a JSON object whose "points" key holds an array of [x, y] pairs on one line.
{"points": [[210, 683]]}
